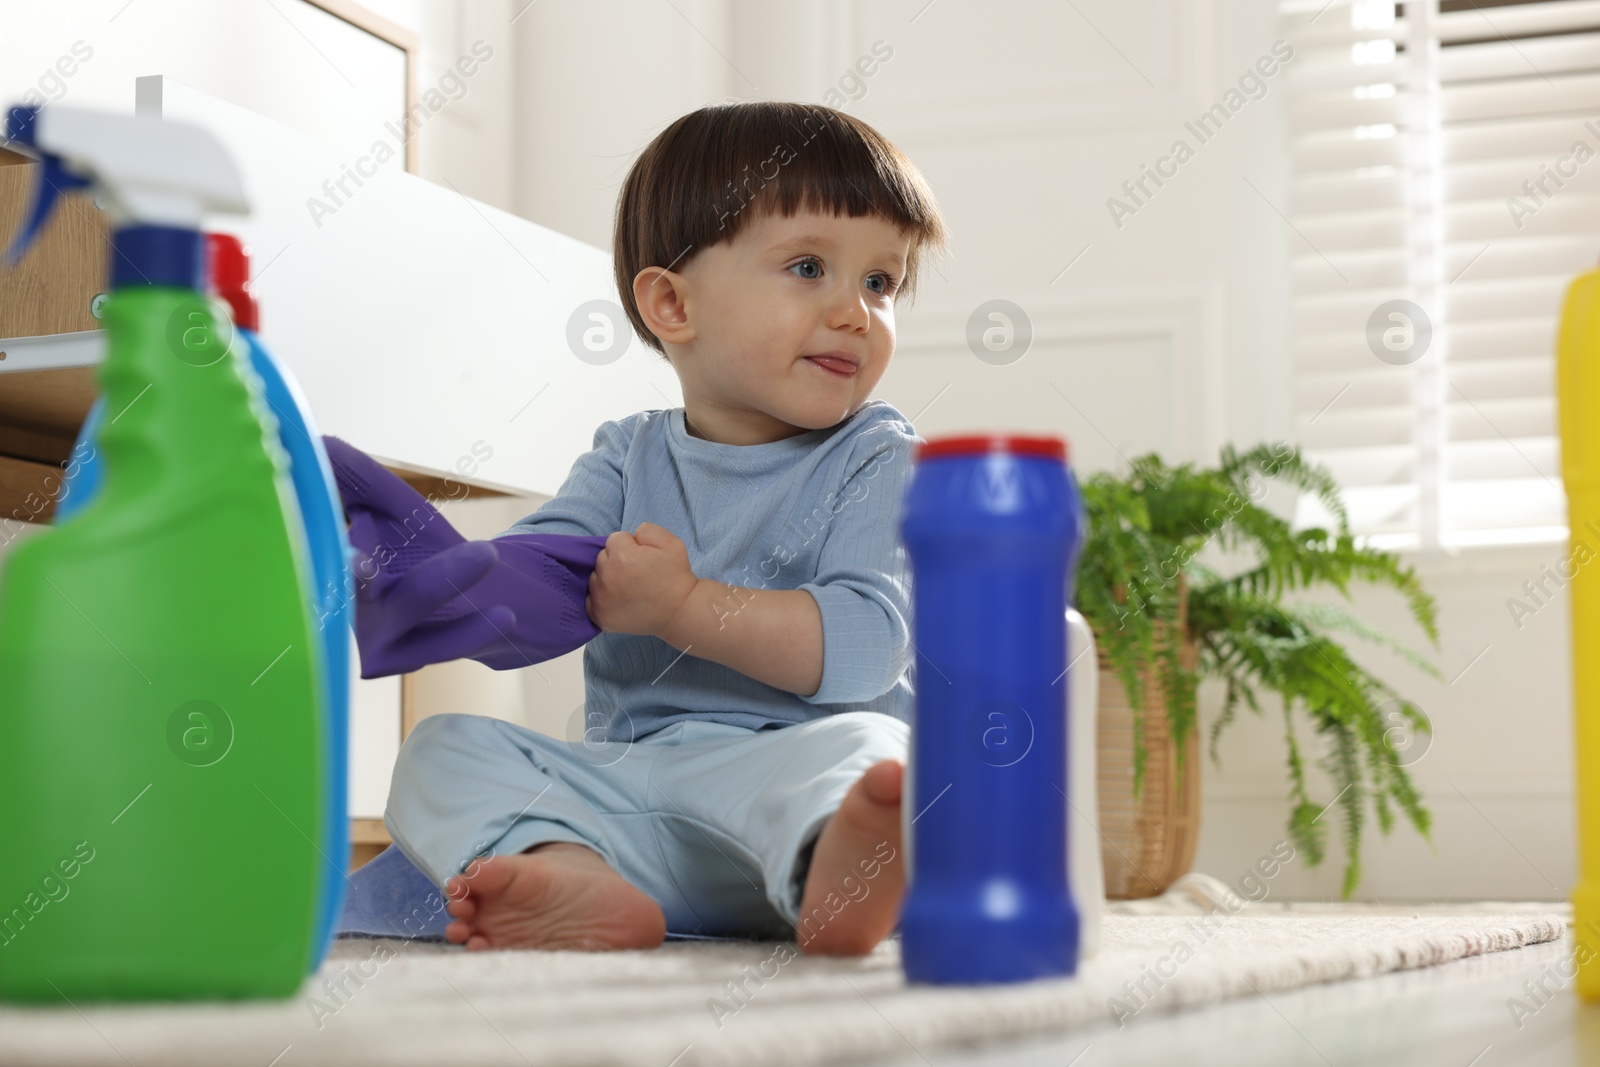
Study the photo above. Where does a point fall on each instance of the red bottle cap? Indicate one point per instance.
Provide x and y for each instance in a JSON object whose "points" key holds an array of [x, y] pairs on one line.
{"points": [[980, 444], [229, 269]]}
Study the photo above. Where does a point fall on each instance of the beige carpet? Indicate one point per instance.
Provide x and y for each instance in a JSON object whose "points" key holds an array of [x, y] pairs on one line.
{"points": [[393, 1002]]}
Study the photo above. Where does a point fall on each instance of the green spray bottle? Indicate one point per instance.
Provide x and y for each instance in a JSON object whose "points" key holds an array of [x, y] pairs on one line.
{"points": [[160, 789]]}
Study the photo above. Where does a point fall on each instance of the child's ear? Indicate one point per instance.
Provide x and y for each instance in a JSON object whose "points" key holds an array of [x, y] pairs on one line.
{"points": [[659, 294]]}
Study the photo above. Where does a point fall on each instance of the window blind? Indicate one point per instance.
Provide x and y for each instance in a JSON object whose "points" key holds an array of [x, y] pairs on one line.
{"points": [[1445, 153]]}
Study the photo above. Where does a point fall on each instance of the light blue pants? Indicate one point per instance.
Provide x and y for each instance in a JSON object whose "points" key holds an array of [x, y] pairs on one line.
{"points": [[713, 822]]}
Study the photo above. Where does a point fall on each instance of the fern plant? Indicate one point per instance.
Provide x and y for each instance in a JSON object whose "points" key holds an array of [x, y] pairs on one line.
{"points": [[1140, 585]]}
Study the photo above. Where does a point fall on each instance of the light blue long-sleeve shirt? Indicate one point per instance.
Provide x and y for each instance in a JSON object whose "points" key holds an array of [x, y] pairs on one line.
{"points": [[819, 511]]}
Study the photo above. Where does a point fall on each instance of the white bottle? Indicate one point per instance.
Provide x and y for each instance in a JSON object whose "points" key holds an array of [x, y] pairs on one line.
{"points": [[1084, 872]]}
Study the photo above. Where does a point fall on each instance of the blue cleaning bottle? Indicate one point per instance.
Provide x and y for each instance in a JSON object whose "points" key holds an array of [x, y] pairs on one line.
{"points": [[993, 525], [331, 580]]}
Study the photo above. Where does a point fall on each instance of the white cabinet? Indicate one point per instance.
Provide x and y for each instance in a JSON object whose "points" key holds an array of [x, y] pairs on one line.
{"points": [[425, 327]]}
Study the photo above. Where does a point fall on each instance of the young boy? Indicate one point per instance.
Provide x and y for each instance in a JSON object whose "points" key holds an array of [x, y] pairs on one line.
{"points": [[752, 677]]}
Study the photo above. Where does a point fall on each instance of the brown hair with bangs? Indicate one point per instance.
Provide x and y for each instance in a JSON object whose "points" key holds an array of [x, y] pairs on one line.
{"points": [[704, 177]]}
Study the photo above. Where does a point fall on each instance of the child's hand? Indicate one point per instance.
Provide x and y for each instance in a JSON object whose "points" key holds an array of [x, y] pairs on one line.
{"points": [[640, 581]]}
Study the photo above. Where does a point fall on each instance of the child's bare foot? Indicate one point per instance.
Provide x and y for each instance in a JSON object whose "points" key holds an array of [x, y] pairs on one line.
{"points": [[857, 877], [555, 895]]}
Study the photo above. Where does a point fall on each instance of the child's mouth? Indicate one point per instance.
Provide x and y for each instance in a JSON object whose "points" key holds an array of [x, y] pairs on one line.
{"points": [[841, 367]]}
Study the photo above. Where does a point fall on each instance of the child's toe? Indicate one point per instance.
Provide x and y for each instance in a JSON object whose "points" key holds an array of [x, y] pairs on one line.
{"points": [[492, 877], [883, 781]]}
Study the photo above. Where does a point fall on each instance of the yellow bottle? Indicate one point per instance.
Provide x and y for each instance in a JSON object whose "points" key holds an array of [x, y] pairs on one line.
{"points": [[1578, 392]]}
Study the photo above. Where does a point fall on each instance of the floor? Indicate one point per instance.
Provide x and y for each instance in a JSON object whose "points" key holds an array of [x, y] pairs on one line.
{"points": [[493, 1007], [1460, 1014]]}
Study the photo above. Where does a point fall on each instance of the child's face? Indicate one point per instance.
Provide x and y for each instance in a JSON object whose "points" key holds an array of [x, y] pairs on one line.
{"points": [[754, 309]]}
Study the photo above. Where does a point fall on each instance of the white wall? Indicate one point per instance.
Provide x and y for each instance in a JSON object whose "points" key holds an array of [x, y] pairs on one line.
{"points": [[468, 143]]}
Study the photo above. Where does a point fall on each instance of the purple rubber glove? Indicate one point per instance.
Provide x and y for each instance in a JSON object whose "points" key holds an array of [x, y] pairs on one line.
{"points": [[425, 594], [543, 580]]}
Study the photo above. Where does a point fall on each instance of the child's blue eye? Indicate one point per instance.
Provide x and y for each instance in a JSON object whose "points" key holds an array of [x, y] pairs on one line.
{"points": [[885, 286]]}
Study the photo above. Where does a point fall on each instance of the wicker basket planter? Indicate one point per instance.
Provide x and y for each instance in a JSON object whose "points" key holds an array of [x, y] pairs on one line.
{"points": [[1146, 842]]}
